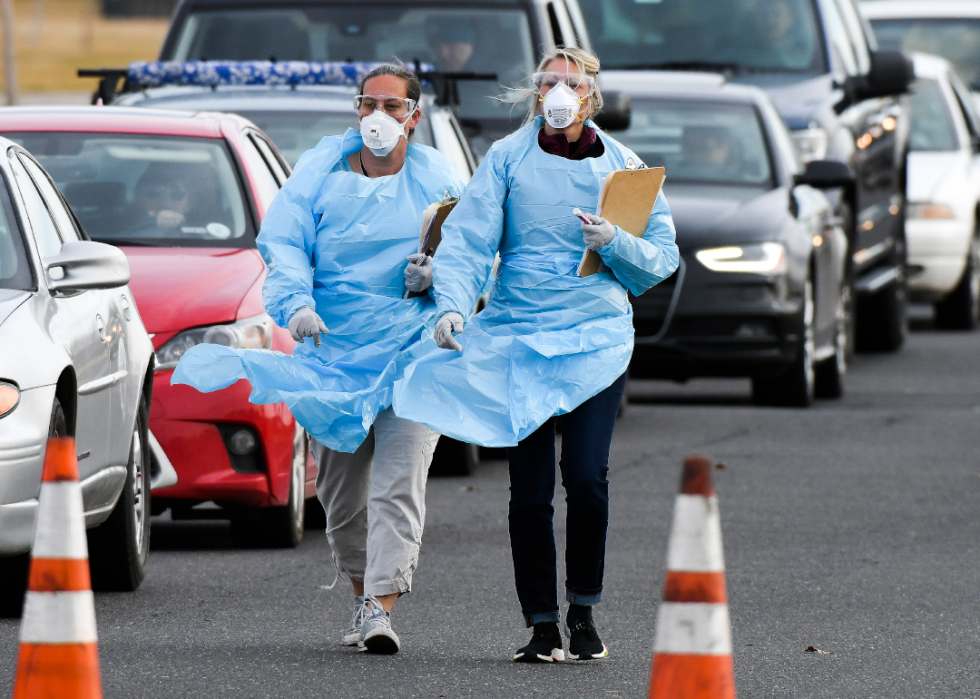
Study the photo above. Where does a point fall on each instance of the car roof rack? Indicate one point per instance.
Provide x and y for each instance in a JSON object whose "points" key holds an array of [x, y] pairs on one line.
{"points": [[143, 74]]}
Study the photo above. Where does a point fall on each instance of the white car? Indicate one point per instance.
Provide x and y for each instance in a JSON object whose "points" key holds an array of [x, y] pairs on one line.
{"points": [[947, 28], [75, 360], [943, 194]]}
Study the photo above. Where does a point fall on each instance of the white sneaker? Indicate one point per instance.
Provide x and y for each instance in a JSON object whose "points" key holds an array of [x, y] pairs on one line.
{"points": [[353, 635], [377, 635]]}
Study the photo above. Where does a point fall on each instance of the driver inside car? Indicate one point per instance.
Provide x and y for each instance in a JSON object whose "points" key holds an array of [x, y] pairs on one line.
{"points": [[179, 198]]}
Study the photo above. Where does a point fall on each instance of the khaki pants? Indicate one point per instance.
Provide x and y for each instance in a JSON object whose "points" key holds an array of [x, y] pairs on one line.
{"points": [[375, 503]]}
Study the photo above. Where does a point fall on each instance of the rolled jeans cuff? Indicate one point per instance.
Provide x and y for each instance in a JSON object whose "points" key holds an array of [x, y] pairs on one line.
{"points": [[583, 600]]}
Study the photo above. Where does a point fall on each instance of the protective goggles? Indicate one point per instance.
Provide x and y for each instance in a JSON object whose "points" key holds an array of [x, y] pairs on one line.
{"points": [[550, 79], [392, 106]]}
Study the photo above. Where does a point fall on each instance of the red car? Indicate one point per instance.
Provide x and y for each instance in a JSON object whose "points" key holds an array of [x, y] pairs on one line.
{"points": [[183, 195]]}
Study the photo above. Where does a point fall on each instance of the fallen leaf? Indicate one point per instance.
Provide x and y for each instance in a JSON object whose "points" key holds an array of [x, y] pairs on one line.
{"points": [[721, 465], [811, 649]]}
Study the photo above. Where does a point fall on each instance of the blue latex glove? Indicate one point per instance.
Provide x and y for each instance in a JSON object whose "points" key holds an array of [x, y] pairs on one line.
{"points": [[599, 234], [306, 323], [418, 272], [449, 324]]}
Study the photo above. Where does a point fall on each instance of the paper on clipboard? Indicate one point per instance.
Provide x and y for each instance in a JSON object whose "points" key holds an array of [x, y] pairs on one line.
{"points": [[626, 199], [431, 233]]}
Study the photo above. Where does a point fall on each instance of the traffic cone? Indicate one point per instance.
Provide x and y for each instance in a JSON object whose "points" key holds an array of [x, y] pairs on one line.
{"points": [[693, 647], [59, 654]]}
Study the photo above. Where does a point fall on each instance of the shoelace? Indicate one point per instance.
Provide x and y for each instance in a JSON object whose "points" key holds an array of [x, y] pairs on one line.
{"points": [[373, 610], [358, 618]]}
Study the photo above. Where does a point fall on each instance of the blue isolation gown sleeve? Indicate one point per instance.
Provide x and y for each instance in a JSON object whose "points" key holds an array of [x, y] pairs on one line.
{"points": [[470, 239], [288, 236], [641, 263]]}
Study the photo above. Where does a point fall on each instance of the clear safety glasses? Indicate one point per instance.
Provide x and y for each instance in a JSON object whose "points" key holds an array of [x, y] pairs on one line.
{"points": [[549, 79], [397, 107]]}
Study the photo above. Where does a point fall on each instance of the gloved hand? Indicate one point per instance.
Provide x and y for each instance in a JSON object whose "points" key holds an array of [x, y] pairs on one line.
{"points": [[306, 323], [418, 273], [450, 323], [599, 234]]}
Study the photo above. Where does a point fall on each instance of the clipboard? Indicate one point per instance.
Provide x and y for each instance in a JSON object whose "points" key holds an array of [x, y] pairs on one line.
{"points": [[627, 200], [431, 234]]}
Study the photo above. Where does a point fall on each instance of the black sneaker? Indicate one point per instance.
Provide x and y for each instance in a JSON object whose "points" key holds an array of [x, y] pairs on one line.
{"points": [[583, 639], [545, 646]]}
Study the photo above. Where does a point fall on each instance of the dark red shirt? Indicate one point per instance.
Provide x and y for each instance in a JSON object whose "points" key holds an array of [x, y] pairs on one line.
{"points": [[587, 146]]}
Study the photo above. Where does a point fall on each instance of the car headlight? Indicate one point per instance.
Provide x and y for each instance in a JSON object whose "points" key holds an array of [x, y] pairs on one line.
{"points": [[812, 143], [9, 398], [247, 333], [760, 258], [929, 210]]}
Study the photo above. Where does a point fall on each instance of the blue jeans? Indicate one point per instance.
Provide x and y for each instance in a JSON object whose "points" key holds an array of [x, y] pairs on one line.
{"points": [[586, 436]]}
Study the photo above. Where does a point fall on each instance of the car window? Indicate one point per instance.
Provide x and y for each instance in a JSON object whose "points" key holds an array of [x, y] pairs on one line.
{"points": [[966, 102], [295, 132], [15, 271], [265, 185], [147, 190], [271, 162], [713, 143], [957, 40], [42, 225], [490, 40], [855, 30], [838, 38], [63, 219], [783, 142], [932, 123], [778, 35], [447, 142]]}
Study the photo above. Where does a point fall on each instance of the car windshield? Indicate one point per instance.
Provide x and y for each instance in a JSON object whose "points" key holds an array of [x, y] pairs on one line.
{"points": [[487, 40], [700, 142], [14, 270], [957, 40], [146, 190], [762, 35], [932, 124]]}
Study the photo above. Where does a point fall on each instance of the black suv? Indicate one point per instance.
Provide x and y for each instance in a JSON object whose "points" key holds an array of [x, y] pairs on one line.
{"points": [[841, 97], [501, 37]]}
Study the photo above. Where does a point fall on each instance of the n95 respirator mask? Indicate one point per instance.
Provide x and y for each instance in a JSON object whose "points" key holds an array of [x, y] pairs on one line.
{"points": [[561, 105], [381, 132]]}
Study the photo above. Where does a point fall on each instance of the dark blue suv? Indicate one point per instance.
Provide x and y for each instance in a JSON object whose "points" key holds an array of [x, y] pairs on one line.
{"points": [[841, 97]]}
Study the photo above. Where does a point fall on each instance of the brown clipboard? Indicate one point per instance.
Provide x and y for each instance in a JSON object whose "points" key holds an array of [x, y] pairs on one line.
{"points": [[627, 200], [431, 234]]}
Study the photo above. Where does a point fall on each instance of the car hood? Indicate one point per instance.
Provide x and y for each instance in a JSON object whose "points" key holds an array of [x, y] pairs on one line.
{"points": [[706, 215], [10, 299], [941, 177], [799, 102], [178, 288]]}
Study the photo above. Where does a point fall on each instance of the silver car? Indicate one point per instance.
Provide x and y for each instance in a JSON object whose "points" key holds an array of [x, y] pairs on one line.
{"points": [[75, 360]]}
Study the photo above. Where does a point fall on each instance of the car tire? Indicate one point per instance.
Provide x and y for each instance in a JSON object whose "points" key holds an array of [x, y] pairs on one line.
{"points": [[883, 319], [280, 526], [794, 387], [120, 547], [14, 569], [829, 374], [961, 309], [454, 458]]}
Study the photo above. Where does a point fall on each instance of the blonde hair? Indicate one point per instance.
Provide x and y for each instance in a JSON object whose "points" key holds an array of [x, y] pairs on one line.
{"points": [[587, 64]]}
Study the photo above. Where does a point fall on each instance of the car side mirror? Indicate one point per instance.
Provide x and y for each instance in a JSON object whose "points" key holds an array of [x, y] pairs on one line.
{"points": [[616, 112], [84, 264], [892, 73], [825, 174]]}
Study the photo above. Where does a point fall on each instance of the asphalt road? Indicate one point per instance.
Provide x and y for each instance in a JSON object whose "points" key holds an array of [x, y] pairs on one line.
{"points": [[851, 527]]}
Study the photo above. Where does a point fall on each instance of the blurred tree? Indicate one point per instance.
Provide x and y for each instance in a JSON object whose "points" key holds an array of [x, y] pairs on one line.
{"points": [[9, 51]]}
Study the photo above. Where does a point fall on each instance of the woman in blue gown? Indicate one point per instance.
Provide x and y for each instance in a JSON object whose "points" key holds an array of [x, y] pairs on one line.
{"points": [[548, 342]]}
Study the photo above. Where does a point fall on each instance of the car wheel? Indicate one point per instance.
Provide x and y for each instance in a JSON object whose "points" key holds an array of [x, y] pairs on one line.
{"points": [[829, 375], [120, 546], [795, 386], [280, 526], [454, 458], [961, 309]]}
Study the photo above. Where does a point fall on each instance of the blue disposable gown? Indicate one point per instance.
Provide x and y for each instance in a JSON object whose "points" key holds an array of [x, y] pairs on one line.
{"points": [[548, 340], [336, 241]]}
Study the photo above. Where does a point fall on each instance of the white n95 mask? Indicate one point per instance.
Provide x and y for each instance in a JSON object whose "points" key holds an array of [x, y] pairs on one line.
{"points": [[381, 132], [561, 106]]}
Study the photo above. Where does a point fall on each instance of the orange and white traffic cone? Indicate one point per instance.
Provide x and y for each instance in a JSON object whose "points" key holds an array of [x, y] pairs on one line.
{"points": [[59, 654], [693, 648]]}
